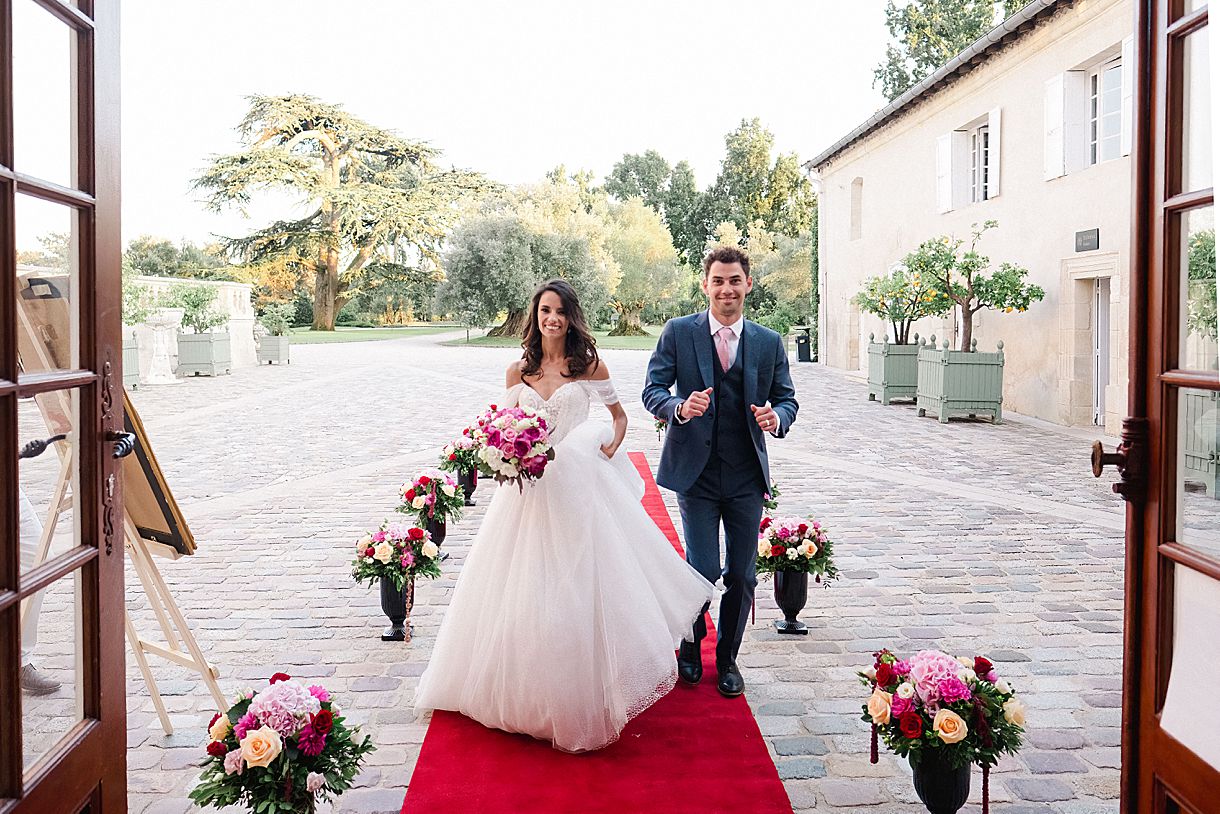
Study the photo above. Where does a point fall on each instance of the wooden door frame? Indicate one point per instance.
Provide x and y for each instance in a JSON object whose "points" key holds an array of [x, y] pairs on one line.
{"points": [[88, 765], [1153, 762]]}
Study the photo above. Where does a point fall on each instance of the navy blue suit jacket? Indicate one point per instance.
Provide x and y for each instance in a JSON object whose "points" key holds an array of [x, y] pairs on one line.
{"points": [[682, 363]]}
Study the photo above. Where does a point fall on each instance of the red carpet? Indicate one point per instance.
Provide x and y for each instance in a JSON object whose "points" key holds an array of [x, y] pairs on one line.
{"points": [[693, 751]]}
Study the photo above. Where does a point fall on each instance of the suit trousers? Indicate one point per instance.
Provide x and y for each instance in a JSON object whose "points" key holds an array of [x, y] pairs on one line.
{"points": [[732, 496]]}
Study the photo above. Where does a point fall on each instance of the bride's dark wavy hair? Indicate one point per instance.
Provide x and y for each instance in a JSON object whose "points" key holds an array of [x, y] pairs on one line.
{"points": [[579, 345]]}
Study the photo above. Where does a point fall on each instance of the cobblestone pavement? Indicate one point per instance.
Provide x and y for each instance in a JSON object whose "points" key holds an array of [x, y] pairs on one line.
{"points": [[967, 537]]}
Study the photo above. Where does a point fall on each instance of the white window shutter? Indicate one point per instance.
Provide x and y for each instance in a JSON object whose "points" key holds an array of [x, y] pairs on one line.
{"points": [[959, 149], [944, 173], [1052, 127], [1128, 74], [993, 153], [1075, 121]]}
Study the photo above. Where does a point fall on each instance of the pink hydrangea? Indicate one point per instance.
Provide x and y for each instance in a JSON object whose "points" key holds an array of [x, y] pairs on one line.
{"points": [[928, 669], [244, 724], [953, 689], [284, 707]]}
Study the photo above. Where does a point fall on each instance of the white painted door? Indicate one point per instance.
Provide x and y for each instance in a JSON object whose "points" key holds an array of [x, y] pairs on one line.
{"points": [[1101, 347]]}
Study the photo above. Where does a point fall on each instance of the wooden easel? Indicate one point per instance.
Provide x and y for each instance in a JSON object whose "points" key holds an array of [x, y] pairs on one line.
{"points": [[180, 647]]}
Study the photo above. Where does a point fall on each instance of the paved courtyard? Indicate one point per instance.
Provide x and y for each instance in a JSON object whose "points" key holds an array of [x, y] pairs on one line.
{"points": [[968, 537]]}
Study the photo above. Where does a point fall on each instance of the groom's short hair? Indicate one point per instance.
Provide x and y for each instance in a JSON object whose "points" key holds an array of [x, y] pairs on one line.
{"points": [[727, 255]]}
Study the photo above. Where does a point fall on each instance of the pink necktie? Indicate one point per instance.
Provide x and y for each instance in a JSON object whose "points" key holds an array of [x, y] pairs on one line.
{"points": [[722, 348]]}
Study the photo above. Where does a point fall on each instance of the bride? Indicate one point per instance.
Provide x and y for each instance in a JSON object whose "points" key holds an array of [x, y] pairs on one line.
{"points": [[571, 602]]}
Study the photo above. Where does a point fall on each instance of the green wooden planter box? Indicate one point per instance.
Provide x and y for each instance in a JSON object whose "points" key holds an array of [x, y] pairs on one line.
{"points": [[1201, 444], [131, 362], [273, 349], [892, 370], [204, 354], [953, 382]]}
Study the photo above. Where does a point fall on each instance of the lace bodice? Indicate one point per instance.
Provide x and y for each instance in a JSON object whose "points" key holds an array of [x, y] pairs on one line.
{"points": [[568, 406]]}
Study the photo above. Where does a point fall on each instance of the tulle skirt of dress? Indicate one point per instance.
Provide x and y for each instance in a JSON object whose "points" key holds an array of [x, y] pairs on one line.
{"points": [[569, 606]]}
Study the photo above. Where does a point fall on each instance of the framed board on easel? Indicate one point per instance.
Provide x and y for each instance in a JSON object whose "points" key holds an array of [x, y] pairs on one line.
{"points": [[153, 522]]}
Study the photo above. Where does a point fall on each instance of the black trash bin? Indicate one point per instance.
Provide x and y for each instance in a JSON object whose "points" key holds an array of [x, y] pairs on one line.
{"points": [[804, 349]]}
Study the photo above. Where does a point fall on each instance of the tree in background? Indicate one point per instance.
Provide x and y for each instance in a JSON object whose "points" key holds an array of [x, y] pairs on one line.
{"points": [[929, 33], [55, 252], [1201, 284], [645, 176], [369, 196], [644, 250], [159, 257]]}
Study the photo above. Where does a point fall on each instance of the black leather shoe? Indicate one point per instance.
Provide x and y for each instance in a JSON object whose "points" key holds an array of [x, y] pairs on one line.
{"points": [[690, 662], [730, 682]]}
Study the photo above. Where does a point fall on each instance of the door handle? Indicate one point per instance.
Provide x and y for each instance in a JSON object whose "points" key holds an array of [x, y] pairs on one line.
{"points": [[1101, 459], [124, 443], [37, 447]]}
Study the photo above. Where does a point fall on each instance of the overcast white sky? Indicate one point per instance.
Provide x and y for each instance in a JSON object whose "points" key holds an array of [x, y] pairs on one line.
{"points": [[507, 88]]}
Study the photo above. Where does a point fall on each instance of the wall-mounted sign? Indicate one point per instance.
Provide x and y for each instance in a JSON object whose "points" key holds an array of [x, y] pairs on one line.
{"points": [[1088, 240]]}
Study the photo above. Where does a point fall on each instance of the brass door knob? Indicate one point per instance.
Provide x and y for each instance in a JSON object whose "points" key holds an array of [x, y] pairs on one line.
{"points": [[1101, 459]]}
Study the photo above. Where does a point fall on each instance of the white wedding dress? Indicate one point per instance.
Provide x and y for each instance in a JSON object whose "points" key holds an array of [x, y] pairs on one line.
{"points": [[571, 602]]}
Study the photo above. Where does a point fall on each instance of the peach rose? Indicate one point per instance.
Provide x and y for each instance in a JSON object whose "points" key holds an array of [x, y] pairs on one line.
{"points": [[949, 726], [879, 706], [220, 729], [383, 552], [261, 746], [1014, 712]]}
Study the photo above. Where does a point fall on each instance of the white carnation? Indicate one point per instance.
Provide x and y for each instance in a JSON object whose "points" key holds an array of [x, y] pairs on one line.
{"points": [[793, 554], [906, 690]]}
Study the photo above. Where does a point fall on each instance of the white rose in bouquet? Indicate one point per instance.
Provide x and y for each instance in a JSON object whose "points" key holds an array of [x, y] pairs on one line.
{"points": [[418, 502], [383, 552], [448, 490], [429, 550]]}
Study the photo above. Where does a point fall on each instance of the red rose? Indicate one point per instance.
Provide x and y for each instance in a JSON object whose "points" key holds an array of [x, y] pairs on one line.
{"points": [[885, 675], [453, 456], [494, 408], [410, 495], [911, 724], [424, 480], [416, 533], [217, 749], [765, 524], [280, 677], [212, 722], [801, 529], [322, 721], [777, 551], [370, 551], [982, 666]]}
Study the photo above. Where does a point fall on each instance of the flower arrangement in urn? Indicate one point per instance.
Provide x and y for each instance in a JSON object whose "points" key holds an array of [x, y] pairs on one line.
{"points": [[513, 443], [394, 556], [943, 714], [432, 498], [792, 548], [280, 750], [461, 458]]}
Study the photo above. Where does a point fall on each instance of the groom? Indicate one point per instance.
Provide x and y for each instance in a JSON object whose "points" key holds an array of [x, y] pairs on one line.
{"points": [[732, 387]]}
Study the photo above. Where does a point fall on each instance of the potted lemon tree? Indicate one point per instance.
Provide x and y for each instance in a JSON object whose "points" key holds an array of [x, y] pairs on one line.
{"points": [[205, 350], [273, 346], [965, 380], [901, 298]]}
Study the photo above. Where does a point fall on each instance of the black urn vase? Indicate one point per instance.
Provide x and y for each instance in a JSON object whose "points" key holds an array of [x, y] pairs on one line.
{"points": [[396, 604], [469, 481], [941, 789], [436, 529], [791, 592]]}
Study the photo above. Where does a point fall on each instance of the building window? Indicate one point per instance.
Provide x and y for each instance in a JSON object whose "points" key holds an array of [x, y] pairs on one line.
{"points": [[1105, 112], [980, 158], [857, 205]]}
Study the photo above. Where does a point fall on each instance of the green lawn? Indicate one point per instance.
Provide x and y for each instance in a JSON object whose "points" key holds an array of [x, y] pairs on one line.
{"points": [[306, 336], [604, 341]]}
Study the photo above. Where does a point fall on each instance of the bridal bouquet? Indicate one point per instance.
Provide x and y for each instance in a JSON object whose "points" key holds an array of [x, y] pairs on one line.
{"points": [[795, 544], [280, 750], [398, 552], [432, 495], [513, 444], [936, 706]]}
